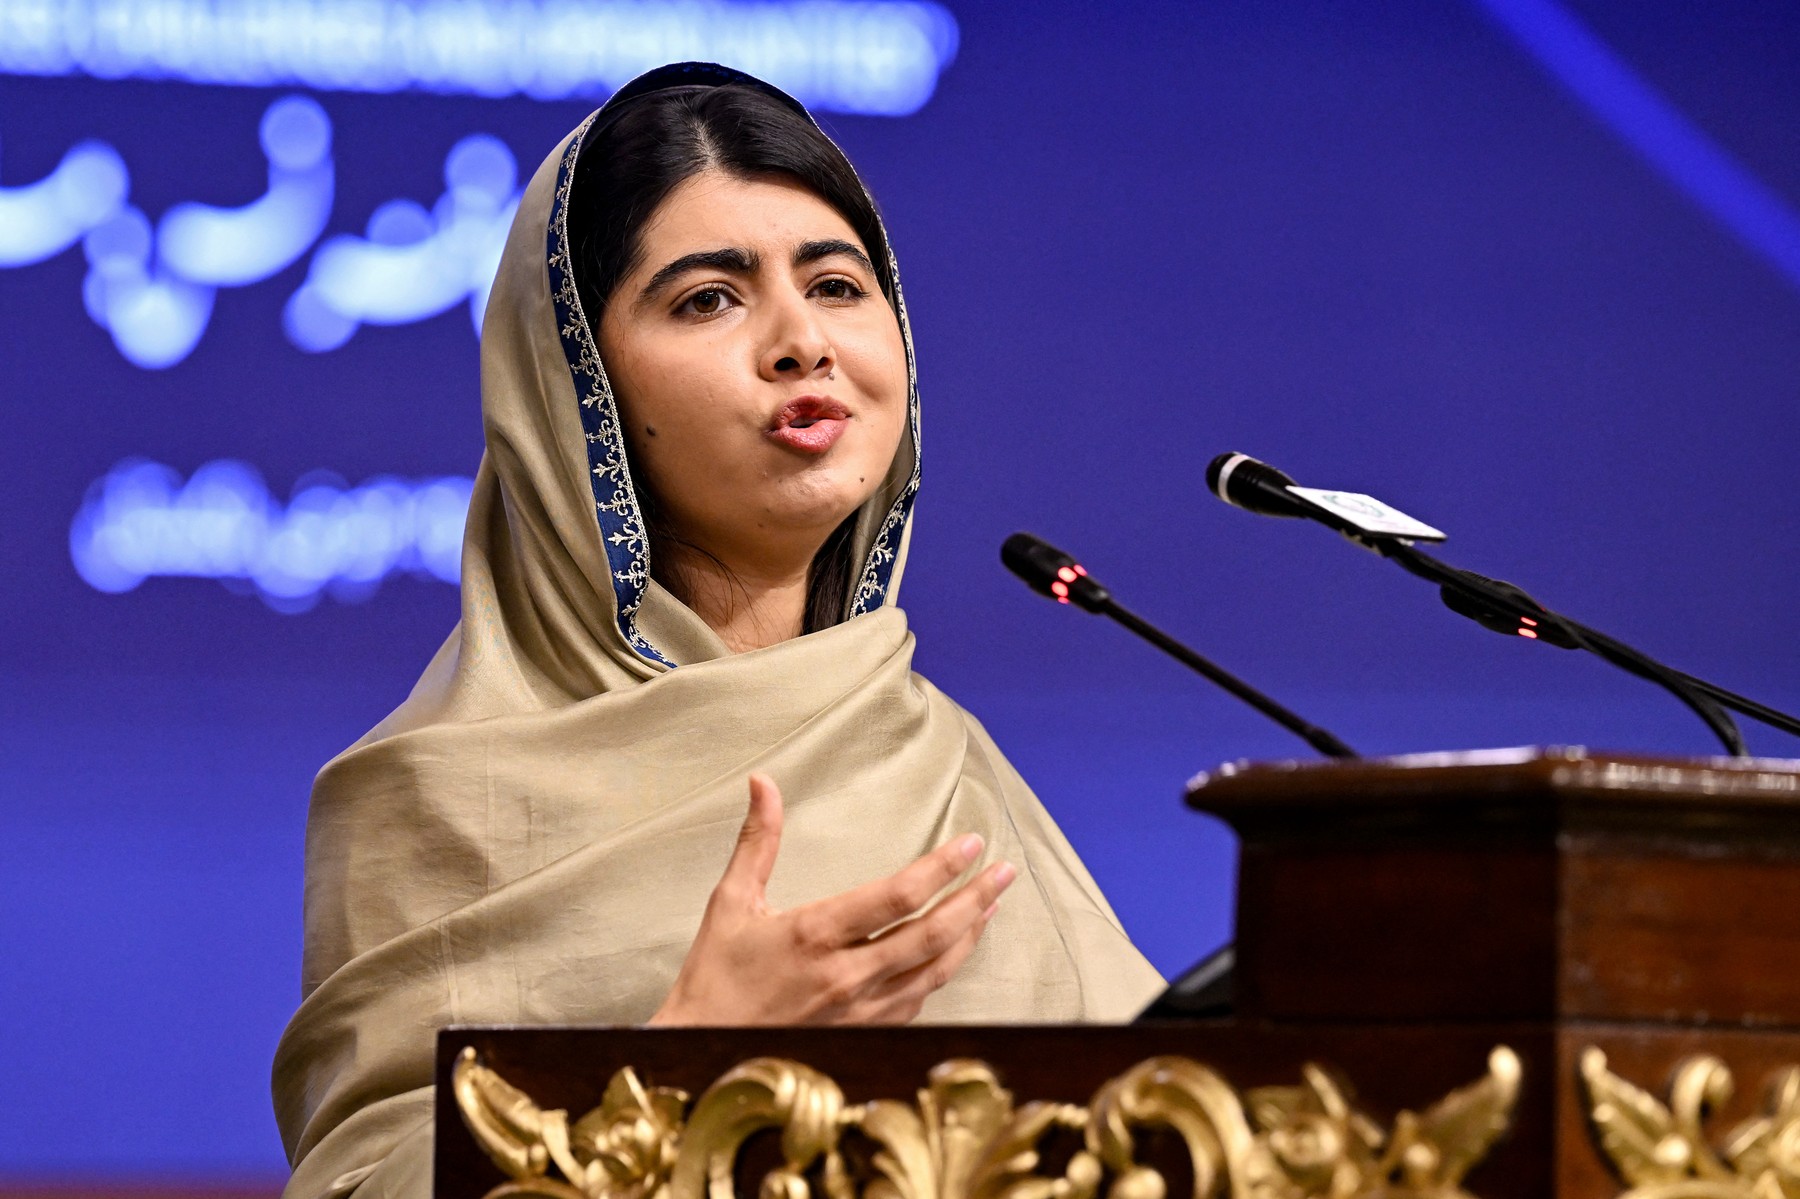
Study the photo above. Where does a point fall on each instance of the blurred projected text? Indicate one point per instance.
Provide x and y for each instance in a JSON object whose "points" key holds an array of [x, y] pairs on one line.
{"points": [[142, 520], [880, 57], [151, 282]]}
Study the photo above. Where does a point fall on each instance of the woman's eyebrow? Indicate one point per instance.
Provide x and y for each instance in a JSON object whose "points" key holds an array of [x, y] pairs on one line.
{"points": [[812, 251], [730, 258]]}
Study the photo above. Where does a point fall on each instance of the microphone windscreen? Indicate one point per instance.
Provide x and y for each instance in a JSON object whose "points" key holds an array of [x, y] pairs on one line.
{"points": [[1049, 571], [1018, 554], [1254, 486]]}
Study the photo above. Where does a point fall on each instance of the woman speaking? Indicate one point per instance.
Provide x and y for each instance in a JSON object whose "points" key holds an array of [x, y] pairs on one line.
{"points": [[679, 590]]}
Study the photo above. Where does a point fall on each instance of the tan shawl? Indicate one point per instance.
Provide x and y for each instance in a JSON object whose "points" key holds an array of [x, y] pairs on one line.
{"points": [[531, 837]]}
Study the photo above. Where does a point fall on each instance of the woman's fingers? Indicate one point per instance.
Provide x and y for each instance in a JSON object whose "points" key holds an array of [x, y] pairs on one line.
{"points": [[861, 913], [910, 988], [937, 933], [750, 964], [758, 841]]}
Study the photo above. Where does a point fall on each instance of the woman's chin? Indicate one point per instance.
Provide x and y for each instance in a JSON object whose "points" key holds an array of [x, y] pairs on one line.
{"points": [[822, 497], [819, 521]]}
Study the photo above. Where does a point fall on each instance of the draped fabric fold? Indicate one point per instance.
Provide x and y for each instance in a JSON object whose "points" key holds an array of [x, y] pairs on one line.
{"points": [[532, 836]]}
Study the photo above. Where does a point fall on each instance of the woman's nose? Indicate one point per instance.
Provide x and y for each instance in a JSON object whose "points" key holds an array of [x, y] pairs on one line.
{"points": [[798, 347]]}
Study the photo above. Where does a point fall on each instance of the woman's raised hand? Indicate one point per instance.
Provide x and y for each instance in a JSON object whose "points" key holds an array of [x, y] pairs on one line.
{"points": [[822, 963]]}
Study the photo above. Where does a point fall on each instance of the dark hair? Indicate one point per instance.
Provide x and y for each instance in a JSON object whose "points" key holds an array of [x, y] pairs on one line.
{"points": [[629, 165]]}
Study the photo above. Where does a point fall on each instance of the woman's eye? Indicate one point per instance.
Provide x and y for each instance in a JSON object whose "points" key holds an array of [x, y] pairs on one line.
{"points": [[839, 289], [706, 302]]}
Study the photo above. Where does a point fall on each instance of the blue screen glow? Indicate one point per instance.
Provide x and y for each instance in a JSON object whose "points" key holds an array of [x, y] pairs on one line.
{"points": [[42, 219], [880, 57], [142, 521], [413, 263]]}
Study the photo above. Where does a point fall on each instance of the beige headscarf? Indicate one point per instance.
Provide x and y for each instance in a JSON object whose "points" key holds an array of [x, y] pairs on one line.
{"points": [[532, 836]]}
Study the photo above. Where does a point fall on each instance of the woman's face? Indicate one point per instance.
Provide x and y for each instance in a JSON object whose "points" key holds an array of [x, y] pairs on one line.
{"points": [[759, 371]]}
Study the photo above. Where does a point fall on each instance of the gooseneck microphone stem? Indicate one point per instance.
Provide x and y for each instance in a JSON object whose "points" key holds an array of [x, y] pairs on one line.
{"points": [[1416, 562], [1051, 572], [1761, 713], [1310, 733]]}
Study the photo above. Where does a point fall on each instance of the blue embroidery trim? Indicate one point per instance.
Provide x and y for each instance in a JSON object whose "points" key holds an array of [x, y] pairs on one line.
{"points": [[615, 503], [878, 568]]}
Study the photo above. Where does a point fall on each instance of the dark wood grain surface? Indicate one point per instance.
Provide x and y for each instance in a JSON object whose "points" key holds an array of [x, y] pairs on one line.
{"points": [[1555, 884]]}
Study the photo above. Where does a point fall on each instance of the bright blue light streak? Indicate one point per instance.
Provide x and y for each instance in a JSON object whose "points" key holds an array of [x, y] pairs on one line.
{"points": [[155, 317], [42, 219], [153, 289], [154, 292], [1640, 115], [413, 264], [880, 57], [141, 521], [229, 247]]}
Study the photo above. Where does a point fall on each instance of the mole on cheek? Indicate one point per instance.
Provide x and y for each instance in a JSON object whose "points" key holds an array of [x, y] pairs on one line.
{"points": [[650, 430]]}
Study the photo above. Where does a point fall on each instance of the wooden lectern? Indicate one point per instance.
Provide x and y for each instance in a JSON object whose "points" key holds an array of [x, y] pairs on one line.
{"points": [[1512, 975]]}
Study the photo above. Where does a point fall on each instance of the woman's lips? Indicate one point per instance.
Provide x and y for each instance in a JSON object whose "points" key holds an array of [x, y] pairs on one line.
{"points": [[810, 424]]}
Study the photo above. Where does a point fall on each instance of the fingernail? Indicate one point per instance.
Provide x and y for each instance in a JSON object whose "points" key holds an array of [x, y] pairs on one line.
{"points": [[967, 848], [1004, 874]]}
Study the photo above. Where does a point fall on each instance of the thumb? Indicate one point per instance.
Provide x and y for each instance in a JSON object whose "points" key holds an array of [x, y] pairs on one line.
{"points": [[753, 860]]}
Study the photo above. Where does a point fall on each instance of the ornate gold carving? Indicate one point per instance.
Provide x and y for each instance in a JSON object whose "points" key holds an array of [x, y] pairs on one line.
{"points": [[965, 1138], [623, 1149], [1662, 1152]]}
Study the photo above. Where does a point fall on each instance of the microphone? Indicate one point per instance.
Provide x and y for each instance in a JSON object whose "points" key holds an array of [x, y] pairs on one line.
{"points": [[1550, 629], [1050, 572], [1256, 486], [1506, 620], [1243, 482]]}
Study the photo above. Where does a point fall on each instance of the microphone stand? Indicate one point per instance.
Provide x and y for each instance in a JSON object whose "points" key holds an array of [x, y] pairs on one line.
{"points": [[1206, 990], [1690, 691], [1244, 482], [1312, 734], [1056, 575], [1761, 713]]}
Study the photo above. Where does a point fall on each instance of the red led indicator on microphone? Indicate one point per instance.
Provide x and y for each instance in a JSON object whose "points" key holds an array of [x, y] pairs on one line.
{"points": [[1060, 590], [1528, 633]]}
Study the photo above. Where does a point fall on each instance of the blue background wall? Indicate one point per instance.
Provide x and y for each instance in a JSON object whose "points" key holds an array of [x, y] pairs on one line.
{"points": [[1535, 282]]}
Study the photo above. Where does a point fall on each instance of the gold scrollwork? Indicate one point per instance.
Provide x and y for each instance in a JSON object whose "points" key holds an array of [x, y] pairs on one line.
{"points": [[965, 1138], [1662, 1152]]}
